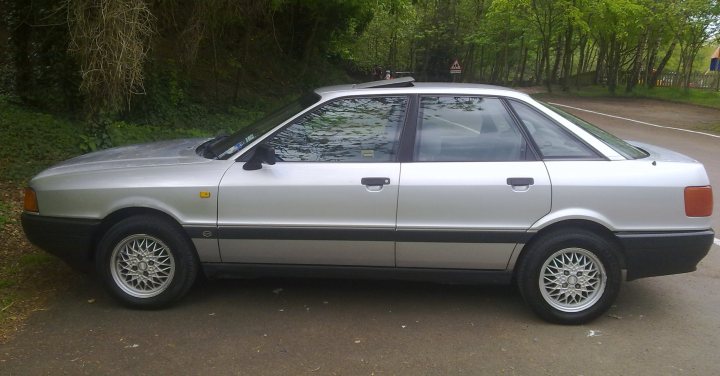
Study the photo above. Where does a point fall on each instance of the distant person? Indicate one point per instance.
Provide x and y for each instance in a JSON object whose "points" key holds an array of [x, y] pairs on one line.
{"points": [[388, 75]]}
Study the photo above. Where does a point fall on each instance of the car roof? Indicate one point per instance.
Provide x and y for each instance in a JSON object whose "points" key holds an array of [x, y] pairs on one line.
{"points": [[407, 85]]}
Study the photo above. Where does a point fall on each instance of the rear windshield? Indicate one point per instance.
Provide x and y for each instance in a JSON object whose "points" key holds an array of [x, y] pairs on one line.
{"points": [[623, 148]]}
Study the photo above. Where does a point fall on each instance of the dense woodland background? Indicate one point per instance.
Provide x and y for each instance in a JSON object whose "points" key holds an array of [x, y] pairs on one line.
{"points": [[162, 61]]}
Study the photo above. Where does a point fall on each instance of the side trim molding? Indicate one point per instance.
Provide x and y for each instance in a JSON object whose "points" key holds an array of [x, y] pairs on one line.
{"points": [[467, 276], [359, 234]]}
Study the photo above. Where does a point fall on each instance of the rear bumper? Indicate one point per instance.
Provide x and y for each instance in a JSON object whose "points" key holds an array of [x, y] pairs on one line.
{"points": [[70, 239], [654, 254]]}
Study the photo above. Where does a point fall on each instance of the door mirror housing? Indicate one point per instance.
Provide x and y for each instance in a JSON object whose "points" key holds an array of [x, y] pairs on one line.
{"points": [[262, 154]]}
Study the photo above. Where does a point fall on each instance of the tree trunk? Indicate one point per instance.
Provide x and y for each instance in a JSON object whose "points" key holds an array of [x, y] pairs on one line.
{"points": [[652, 81], [567, 69], [309, 44], [581, 61], [524, 53], [21, 40], [601, 60], [545, 64], [558, 58], [650, 60], [634, 75], [613, 65]]}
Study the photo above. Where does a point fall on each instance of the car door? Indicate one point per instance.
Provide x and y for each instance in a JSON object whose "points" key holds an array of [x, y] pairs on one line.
{"points": [[473, 188], [331, 197]]}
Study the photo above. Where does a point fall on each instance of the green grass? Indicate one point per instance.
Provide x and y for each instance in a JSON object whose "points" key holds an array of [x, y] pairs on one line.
{"points": [[32, 141], [705, 98], [714, 128]]}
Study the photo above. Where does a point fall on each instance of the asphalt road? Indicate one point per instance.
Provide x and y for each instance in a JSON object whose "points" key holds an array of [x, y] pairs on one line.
{"points": [[659, 326]]}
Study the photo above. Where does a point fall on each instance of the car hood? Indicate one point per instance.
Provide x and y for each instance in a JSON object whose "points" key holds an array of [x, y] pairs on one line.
{"points": [[161, 153]]}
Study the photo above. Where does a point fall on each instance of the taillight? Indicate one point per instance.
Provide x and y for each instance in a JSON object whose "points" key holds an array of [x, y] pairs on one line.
{"points": [[31, 204], [698, 201]]}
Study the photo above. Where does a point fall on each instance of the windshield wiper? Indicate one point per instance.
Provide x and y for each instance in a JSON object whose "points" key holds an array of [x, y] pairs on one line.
{"points": [[206, 149]]}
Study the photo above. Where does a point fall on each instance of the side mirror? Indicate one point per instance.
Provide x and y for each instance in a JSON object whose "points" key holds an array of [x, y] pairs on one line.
{"points": [[262, 154]]}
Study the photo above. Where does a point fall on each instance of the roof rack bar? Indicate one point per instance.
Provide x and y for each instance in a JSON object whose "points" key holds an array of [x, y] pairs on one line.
{"points": [[396, 82]]}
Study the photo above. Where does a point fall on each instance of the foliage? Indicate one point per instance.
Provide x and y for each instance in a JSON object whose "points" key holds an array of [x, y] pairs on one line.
{"points": [[32, 141], [166, 61], [111, 39]]}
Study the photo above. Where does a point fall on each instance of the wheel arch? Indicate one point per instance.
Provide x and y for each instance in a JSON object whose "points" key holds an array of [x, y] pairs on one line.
{"points": [[569, 225], [113, 218]]}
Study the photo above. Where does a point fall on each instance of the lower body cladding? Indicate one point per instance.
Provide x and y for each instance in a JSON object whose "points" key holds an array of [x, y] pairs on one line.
{"points": [[367, 253], [655, 254], [453, 255]]}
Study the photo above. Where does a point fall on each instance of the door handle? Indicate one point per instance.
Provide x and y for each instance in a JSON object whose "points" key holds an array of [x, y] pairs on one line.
{"points": [[516, 182], [375, 181]]}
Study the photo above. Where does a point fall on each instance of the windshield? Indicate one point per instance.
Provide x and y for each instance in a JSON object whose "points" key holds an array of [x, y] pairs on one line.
{"points": [[223, 148], [623, 148]]}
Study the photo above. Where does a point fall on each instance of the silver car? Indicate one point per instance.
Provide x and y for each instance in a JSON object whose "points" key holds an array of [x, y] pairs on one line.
{"points": [[389, 179]]}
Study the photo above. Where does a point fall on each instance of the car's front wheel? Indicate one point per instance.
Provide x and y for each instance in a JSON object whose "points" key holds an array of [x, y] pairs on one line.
{"points": [[570, 277], [146, 262]]}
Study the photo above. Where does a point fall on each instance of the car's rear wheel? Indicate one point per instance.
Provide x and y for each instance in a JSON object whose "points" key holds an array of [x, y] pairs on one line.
{"points": [[570, 277], [146, 262]]}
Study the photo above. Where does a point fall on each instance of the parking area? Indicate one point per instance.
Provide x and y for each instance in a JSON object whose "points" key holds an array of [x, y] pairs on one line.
{"points": [[666, 325]]}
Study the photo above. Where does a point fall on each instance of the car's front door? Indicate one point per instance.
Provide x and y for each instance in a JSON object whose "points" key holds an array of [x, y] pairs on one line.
{"points": [[473, 189], [331, 197]]}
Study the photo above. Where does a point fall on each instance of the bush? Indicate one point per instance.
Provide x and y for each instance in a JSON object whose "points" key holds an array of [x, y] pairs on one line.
{"points": [[32, 141]]}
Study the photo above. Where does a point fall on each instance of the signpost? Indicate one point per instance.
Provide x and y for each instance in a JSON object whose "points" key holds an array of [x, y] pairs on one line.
{"points": [[715, 66], [455, 69]]}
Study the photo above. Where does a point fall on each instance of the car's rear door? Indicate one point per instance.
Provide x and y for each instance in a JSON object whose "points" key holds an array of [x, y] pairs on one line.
{"points": [[473, 188], [330, 199]]}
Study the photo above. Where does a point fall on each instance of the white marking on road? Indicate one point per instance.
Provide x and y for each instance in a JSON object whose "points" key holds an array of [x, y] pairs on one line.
{"points": [[637, 121], [717, 242]]}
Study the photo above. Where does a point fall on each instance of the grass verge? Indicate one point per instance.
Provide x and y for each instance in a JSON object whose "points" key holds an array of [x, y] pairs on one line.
{"points": [[33, 141], [698, 97]]}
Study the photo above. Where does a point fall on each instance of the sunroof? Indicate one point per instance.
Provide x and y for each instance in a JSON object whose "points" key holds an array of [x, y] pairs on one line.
{"points": [[396, 82]]}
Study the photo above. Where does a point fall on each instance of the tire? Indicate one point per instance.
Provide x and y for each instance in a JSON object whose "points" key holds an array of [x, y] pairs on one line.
{"points": [[146, 261], [570, 277]]}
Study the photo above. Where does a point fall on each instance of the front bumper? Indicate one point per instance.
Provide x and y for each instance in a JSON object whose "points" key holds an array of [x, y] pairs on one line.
{"points": [[71, 239], [654, 254]]}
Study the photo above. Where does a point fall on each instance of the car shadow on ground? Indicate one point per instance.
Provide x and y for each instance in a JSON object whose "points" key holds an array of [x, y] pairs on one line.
{"points": [[349, 299]]}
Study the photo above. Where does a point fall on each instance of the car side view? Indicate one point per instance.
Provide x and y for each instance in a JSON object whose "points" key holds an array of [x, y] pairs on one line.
{"points": [[391, 179]]}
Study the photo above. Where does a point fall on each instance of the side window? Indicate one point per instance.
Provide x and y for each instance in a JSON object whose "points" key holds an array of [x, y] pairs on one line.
{"points": [[553, 141], [345, 130], [466, 129]]}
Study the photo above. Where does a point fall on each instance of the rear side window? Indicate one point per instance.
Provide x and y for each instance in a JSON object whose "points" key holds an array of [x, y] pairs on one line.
{"points": [[467, 129], [551, 139]]}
